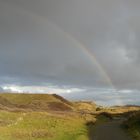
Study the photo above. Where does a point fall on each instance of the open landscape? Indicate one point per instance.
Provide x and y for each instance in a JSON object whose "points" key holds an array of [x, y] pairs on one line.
{"points": [[69, 69], [51, 117]]}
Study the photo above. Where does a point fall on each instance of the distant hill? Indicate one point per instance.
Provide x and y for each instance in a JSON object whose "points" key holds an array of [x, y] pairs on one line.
{"points": [[85, 106], [35, 102], [42, 102], [54, 102]]}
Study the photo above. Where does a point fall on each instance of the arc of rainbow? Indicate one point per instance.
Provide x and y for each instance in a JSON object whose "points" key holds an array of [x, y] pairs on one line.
{"points": [[78, 44], [92, 58], [71, 38]]}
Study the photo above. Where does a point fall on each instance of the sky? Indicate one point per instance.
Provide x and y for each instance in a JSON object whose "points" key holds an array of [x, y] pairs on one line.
{"points": [[80, 49]]}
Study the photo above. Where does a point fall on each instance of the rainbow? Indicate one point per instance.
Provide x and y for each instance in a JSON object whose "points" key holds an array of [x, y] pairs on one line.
{"points": [[93, 59], [86, 50]]}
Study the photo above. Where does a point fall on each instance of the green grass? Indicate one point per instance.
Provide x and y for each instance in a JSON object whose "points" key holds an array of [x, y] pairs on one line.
{"points": [[41, 126], [27, 98], [35, 102], [27, 118]]}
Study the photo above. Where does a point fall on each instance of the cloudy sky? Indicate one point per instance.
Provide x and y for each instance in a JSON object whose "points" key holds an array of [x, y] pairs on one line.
{"points": [[81, 49]]}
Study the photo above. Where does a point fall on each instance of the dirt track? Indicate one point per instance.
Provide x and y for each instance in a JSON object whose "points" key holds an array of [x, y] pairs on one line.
{"points": [[109, 131]]}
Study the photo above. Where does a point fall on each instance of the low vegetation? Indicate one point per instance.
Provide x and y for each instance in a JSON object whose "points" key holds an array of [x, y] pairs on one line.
{"points": [[132, 125], [41, 126], [41, 117], [51, 117]]}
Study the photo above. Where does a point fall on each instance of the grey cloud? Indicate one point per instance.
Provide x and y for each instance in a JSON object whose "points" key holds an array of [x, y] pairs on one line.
{"points": [[40, 42], [33, 47], [107, 97]]}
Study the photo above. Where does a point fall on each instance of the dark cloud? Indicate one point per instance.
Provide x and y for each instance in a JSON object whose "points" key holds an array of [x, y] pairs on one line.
{"points": [[42, 42]]}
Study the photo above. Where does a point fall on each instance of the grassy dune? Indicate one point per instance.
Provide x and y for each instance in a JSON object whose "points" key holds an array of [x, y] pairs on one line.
{"points": [[40, 117], [40, 102], [51, 117], [41, 126]]}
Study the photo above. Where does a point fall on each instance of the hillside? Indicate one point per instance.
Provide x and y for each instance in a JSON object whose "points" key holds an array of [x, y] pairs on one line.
{"points": [[41, 117], [52, 117], [34, 102], [43, 102], [53, 102], [85, 106]]}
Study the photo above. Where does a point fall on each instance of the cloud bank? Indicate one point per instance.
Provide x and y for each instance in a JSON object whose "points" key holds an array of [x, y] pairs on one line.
{"points": [[46, 42]]}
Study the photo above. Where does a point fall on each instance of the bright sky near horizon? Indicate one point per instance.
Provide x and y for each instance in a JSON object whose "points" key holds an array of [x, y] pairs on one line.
{"points": [[81, 49]]}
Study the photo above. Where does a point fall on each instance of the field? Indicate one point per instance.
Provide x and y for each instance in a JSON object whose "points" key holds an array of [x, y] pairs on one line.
{"points": [[51, 117], [41, 117], [41, 126]]}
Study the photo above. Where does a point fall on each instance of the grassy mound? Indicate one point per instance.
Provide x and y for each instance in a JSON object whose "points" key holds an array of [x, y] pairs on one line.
{"points": [[41, 126], [83, 106], [41, 117], [34, 102]]}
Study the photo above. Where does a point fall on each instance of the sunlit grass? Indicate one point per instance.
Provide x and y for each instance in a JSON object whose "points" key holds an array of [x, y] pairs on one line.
{"points": [[40, 126]]}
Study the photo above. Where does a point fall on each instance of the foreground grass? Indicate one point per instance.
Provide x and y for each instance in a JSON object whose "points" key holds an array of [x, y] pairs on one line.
{"points": [[41, 126], [133, 126]]}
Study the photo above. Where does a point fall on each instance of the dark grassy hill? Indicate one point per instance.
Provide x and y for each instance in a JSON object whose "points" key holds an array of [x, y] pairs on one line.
{"points": [[35, 102]]}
